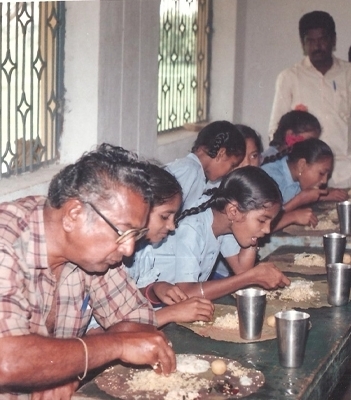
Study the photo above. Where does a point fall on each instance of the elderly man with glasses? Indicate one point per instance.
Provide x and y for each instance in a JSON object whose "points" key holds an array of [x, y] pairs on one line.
{"points": [[60, 264]]}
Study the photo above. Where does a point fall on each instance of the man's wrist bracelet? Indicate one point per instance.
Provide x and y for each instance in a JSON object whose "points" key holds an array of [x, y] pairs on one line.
{"points": [[86, 355]]}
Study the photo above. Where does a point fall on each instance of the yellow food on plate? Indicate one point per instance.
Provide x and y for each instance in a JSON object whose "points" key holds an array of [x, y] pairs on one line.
{"points": [[218, 367], [271, 321]]}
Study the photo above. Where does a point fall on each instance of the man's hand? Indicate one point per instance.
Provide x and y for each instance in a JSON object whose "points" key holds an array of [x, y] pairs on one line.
{"points": [[152, 348]]}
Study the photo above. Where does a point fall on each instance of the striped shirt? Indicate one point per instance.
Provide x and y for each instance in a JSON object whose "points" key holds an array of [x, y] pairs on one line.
{"points": [[27, 285]]}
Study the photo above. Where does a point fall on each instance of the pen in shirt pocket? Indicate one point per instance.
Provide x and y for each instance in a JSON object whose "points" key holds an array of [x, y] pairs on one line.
{"points": [[334, 86], [85, 303]]}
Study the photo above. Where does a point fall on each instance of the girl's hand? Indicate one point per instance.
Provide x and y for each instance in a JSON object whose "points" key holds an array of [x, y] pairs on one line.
{"points": [[305, 217], [336, 195], [169, 294], [268, 276], [308, 196], [190, 310]]}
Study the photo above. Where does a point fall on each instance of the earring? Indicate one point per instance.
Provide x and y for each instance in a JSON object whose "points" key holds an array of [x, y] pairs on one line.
{"points": [[300, 173]]}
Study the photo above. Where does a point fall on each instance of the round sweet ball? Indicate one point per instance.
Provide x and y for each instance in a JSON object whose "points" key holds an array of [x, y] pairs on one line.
{"points": [[271, 321], [218, 367]]}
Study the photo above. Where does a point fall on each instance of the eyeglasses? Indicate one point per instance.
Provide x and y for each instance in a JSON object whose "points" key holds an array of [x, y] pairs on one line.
{"points": [[133, 233]]}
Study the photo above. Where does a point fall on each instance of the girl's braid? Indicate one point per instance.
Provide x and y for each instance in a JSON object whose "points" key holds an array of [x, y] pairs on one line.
{"points": [[217, 144], [195, 210], [277, 156]]}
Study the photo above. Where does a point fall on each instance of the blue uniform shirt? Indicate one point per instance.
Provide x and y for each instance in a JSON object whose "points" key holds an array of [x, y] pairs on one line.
{"points": [[188, 255], [280, 172], [191, 177]]}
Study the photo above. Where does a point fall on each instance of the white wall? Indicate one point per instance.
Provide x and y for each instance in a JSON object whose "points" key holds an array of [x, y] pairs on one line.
{"points": [[81, 67], [110, 70], [269, 42]]}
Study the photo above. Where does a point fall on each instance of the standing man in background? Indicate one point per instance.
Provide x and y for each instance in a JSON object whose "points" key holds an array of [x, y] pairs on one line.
{"points": [[321, 85]]}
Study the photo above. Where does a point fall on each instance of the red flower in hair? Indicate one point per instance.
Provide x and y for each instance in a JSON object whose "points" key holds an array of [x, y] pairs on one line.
{"points": [[301, 107], [290, 140]]}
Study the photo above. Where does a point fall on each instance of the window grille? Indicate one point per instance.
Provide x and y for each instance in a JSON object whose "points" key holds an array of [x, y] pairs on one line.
{"points": [[184, 60], [31, 81]]}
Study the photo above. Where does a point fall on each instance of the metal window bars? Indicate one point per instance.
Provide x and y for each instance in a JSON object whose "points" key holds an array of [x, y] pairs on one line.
{"points": [[31, 81], [184, 62]]}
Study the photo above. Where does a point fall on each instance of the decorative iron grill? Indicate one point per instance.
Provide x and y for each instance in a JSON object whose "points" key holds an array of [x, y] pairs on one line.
{"points": [[31, 81], [184, 60]]}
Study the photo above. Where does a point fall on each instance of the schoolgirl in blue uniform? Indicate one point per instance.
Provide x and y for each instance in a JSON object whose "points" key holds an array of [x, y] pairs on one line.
{"points": [[243, 206], [302, 177], [218, 149]]}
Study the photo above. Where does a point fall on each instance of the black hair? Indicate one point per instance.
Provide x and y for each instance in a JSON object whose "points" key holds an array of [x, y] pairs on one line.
{"points": [[250, 133], [163, 184], [316, 20], [97, 175], [277, 156], [296, 120], [251, 187], [220, 134], [312, 150]]}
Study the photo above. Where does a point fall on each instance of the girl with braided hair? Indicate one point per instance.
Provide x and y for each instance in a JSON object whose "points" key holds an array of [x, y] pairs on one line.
{"points": [[294, 126], [302, 177], [223, 268], [167, 197], [243, 206], [218, 149]]}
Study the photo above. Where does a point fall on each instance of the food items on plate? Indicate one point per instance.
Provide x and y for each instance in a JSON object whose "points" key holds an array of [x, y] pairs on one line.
{"points": [[323, 225], [299, 290], [309, 259], [271, 321], [142, 383], [190, 364], [218, 367], [316, 260], [227, 321]]}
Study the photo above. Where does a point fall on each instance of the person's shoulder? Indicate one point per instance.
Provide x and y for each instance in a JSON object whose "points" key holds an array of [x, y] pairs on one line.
{"points": [[293, 68], [191, 158], [270, 151], [196, 222], [339, 63], [189, 163], [22, 206], [17, 217], [274, 166]]}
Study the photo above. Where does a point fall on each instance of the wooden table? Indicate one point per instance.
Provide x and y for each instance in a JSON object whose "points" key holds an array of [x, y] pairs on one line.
{"points": [[328, 350]]}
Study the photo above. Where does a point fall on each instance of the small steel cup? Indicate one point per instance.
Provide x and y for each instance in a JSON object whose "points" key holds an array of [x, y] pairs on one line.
{"points": [[251, 305], [344, 214], [334, 247], [339, 280], [292, 331]]}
